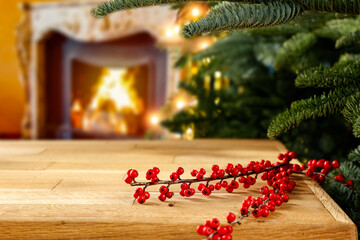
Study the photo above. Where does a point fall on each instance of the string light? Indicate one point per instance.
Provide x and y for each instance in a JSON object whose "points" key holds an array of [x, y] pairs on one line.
{"points": [[180, 104], [169, 32], [176, 29], [218, 74], [154, 120], [195, 12], [204, 45]]}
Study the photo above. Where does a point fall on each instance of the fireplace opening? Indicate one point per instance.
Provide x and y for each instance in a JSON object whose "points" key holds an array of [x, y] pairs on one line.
{"points": [[109, 101], [102, 89]]}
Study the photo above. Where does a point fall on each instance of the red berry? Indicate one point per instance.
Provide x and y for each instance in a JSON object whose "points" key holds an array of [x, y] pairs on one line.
{"points": [[280, 156], [293, 155], [213, 175], [211, 187], [278, 201], [215, 168], [242, 179], [320, 163], [218, 186], [324, 171], [169, 194], [214, 223], [327, 164], [224, 184], [207, 231], [201, 186], [182, 192], [202, 171], [128, 172], [256, 213], [350, 183], [150, 173], [286, 159], [141, 199], [222, 230], [128, 180], [147, 195], [264, 212], [180, 171], [244, 211], [229, 229], [226, 237], [174, 176], [216, 237], [229, 167], [271, 207], [163, 189], [206, 191], [264, 190], [154, 179], [221, 173], [133, 173], [156, 170], [229, 189], [339, 178], [245, 185], [194, 173], [162, 197], [230, 217], [235, 171], [187, 193], [263, 176], [335, 164], [199, 229], [184, 186], [139, 191], [285, 198], [234, 184]]}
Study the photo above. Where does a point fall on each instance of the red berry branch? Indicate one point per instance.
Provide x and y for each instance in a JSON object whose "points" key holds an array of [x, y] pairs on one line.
{"points": [[277, 176]]}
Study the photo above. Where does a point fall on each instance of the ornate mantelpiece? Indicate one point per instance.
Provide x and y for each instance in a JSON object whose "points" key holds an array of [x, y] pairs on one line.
{"points": [[73, 20]]}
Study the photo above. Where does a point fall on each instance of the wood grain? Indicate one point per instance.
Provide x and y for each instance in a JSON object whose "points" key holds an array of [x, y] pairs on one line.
{"points": [[75, 190]]}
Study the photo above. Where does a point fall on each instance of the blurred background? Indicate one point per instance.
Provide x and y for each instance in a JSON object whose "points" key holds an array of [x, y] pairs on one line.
{"points": [[67, 75]]}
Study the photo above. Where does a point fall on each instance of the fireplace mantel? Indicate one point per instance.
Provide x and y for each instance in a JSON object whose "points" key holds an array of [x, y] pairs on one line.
{"points": [[73, 20]]}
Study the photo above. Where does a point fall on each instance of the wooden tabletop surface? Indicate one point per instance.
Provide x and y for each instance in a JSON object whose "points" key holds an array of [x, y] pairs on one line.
{"points": [[75, 190]]}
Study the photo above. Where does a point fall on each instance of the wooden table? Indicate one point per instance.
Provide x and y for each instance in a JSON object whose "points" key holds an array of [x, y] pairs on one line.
{"points": [[75, 190]]}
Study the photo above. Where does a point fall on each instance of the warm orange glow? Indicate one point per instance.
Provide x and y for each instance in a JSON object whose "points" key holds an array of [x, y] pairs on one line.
{"points": [[115, 103]]}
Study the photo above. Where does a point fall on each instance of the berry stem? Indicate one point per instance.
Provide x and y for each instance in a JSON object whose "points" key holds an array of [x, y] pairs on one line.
{"points": [[208, 179]]}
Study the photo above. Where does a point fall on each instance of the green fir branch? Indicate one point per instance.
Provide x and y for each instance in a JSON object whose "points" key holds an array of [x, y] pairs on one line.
{"points": [[348, 40], [228, 16], [325, 105], [339, 6], [325, 77], [351, 112], [337, 28], [108, 7], [293, 48]]}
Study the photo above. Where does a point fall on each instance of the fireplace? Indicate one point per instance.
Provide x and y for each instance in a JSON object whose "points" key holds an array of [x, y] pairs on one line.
{"points": [[95, 78], [104, 89]]}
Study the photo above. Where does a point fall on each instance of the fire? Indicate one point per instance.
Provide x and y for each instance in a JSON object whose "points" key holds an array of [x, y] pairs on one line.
{"points": [[114, 105]]}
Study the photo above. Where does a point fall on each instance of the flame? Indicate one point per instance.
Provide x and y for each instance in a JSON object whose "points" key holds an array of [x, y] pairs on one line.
{"points": [[121, 93], [115, 103]]}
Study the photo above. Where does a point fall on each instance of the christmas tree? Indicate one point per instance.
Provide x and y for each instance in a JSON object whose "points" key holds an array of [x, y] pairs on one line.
{"points": [[333, 74]]}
